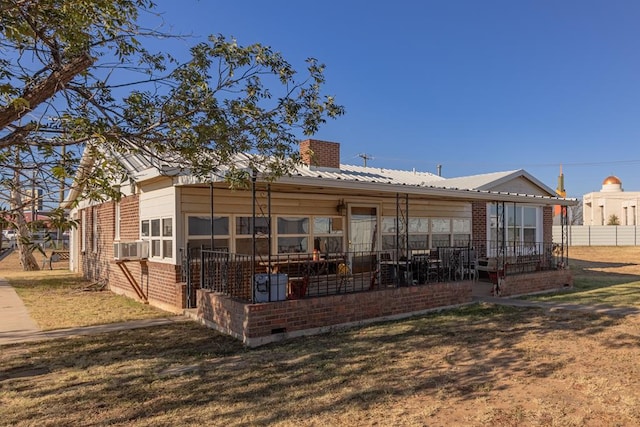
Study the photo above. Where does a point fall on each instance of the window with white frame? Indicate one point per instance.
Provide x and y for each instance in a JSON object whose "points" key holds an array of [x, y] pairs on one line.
{"points": [[244, 235], [440, 232], [199, 232], [523, 223], [327, 234], [394, 233], [293, 235], [461, 228], [159, 233]]}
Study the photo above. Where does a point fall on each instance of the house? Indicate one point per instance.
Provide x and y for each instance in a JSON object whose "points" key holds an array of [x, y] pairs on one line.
{"points": [[331, 245]]}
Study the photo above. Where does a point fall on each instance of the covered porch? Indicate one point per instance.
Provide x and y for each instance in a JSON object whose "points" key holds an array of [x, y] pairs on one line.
{"points": [[298, 256]]}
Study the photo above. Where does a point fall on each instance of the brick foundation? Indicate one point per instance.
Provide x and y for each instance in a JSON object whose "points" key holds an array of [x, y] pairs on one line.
{"points": [[540, 281], [257, 324]]}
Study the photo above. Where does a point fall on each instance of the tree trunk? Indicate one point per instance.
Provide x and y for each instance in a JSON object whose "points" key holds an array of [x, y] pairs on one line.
{"points": [[27, 259]]}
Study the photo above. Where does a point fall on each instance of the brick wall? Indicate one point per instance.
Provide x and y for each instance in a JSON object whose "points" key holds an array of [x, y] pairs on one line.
{"points": [[539, 281], [159, 282], [479, 221], [320, 153], [94, 261], [547, 224], [261, 323]]}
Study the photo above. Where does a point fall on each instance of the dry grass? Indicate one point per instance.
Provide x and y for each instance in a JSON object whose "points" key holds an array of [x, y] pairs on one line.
{"points": [[603, 275], [59, 298], [475, 366]]}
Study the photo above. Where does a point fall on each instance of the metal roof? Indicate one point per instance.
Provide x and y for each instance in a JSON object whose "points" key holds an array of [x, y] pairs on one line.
{"points": [[369, 174], [141, 168]]}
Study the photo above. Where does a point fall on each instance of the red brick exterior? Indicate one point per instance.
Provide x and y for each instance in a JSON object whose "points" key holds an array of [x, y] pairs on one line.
{"points": [[479, 221], [320, 153], [547, 224], [258, 324], [159, 282], [540, 281]]}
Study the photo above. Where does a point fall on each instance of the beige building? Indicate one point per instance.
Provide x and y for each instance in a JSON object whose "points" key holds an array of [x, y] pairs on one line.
{"points": [[600, 207]]}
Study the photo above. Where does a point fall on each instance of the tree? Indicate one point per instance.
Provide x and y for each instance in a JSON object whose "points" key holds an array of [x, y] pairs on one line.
{"points": [[613, 220], [75, 78], [576, 214]]}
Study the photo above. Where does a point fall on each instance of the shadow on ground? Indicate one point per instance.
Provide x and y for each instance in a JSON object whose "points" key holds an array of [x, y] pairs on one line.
{"points": [[184, 373]]}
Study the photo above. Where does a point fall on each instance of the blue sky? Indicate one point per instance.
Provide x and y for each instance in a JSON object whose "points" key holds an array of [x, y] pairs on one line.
{"points": [[476, 86]]}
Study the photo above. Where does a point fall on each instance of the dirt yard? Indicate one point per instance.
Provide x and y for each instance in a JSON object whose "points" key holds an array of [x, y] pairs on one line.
{"points": [[479, 365]]}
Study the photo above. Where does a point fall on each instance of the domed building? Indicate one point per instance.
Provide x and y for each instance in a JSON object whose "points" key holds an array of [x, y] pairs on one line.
{"points": [[599, 208]]}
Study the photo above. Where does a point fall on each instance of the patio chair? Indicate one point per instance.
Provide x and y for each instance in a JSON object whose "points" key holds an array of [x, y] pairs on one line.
{"points": [[469, 264]]}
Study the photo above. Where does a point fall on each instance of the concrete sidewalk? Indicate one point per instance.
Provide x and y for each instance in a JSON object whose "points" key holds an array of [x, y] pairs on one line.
{"points": [[557, 306], [16, 325], [15, 321]]}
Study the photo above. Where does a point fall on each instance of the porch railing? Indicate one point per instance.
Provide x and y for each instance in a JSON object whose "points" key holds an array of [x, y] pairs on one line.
{"points": [[294, 276]]}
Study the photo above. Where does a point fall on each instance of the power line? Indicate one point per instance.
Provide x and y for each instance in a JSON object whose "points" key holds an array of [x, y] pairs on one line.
{"points": [[520, 165]]}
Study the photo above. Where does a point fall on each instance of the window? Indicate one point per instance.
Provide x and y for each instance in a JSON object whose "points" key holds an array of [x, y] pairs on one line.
{"points": [[523, 223], [440, 232], [461, 231], [199, 232], [244, 235], [159, 232], [418, 233], [155, 242], [167, 244], [293, 235], [327, 234]]}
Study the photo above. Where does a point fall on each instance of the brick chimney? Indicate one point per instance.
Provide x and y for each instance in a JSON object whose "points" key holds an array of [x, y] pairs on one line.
{"points": [[320, 153]]}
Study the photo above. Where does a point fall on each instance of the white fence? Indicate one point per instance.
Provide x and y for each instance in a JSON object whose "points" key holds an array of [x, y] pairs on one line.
{"points": [[599, 235]]}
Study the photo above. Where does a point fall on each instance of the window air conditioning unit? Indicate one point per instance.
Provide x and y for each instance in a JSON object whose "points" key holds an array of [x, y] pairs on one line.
{"points": [[131, 250]]}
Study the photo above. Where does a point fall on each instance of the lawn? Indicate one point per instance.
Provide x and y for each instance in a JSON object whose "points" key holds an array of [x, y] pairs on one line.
{"points": [[475, 366], [602, 275], [59, 298]]}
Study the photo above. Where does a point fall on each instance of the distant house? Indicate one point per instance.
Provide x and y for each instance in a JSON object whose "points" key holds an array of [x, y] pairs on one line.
{"points": [[332, 244]]}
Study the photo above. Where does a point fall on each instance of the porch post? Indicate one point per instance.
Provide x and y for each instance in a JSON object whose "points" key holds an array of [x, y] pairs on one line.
{"points": [[406, 232], [564, 229], [270, 254], [253, 235], [211, 210], [397, 257]]}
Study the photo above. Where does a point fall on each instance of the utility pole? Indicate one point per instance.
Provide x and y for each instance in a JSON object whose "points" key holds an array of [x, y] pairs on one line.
{"points": [[365, 157]]}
